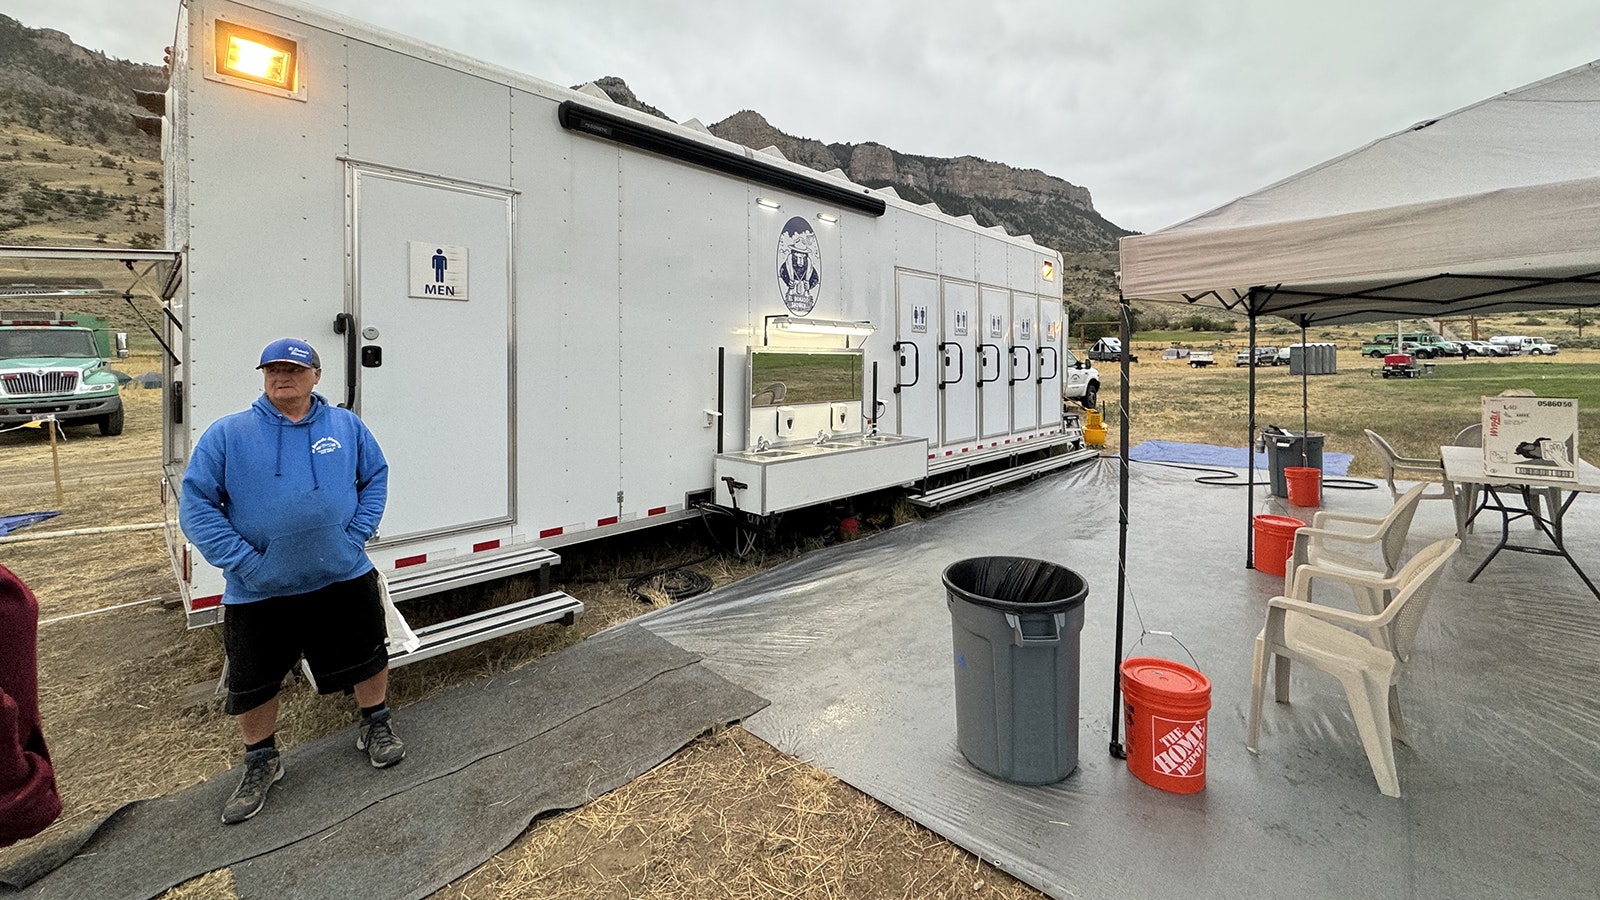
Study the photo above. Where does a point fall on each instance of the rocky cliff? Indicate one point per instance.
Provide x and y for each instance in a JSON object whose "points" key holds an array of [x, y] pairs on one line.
{"points": [[1056, 212]]}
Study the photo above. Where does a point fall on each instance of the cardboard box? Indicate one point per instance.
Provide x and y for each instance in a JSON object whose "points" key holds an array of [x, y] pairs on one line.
{"points": [[1531, 437]]}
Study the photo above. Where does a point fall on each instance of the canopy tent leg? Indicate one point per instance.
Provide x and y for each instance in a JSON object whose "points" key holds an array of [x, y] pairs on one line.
{"points": [[1249, 449], [1125, 331]]}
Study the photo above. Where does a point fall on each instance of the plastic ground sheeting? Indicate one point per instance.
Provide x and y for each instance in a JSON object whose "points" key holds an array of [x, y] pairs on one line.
{"points": [[1501, 784]]}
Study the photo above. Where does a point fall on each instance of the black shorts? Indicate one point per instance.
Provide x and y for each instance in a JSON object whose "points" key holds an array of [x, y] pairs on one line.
{"points": [[338, 629]]}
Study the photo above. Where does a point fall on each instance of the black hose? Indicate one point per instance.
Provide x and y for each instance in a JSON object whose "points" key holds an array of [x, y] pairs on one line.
{"points": [[675, 581], [1231, 478]]}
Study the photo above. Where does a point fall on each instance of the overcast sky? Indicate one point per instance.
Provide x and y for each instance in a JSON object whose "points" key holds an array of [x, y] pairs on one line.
{"points": [[1162, 110]]}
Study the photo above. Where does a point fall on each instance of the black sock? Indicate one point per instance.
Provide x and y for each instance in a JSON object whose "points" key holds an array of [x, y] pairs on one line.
{"points": [[368, 712], [268, 742]]}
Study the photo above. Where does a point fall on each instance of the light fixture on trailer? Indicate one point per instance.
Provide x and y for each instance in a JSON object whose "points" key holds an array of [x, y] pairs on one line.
{"points": [[255, 58]]}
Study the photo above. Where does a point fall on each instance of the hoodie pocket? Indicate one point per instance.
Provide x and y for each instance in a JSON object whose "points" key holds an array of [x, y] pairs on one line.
{"points": [[305, 560]]}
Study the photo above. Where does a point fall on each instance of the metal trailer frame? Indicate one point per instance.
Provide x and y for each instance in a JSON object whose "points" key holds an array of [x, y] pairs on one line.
{"points": [[540, 301]]}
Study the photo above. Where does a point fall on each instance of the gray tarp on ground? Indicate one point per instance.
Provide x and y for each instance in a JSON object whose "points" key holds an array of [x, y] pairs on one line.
{"points": [[483, 760], [1501, 791]]}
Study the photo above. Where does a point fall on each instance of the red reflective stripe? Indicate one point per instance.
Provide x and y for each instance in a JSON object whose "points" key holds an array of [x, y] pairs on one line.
{"points": [[485, 545], [404, 561], [206, 602], [550, 532], [656, 511], [608, 520]]}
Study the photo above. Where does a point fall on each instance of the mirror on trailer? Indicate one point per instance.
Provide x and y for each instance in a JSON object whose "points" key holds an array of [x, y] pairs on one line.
{"points": [[797, 377], [799, 394]]}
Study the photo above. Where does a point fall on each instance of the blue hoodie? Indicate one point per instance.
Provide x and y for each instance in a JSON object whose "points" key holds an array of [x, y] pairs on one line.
{"points": [[284, 507]]}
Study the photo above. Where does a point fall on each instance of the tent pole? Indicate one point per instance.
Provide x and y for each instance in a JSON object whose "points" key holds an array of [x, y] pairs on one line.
{"points": [[1125, 331], [1249, 449], [1305, 403]]}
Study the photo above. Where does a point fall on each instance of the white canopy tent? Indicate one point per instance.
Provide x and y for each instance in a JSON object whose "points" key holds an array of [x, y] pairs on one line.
{"points": [[1494, 207], [1491, 208]]}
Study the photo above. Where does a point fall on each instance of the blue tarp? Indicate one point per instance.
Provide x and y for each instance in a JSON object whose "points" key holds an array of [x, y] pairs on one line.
{"points": [[1215, 455], [9, 524]]}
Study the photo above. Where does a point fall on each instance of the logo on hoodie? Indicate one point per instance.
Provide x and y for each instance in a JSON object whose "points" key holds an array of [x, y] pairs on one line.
{"points": [[325, 445]]}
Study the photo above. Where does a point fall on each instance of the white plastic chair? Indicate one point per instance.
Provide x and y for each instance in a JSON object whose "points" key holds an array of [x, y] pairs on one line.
{"points": [[1368, 667], [1468, 496], [1338, 544], [1426, 470]]}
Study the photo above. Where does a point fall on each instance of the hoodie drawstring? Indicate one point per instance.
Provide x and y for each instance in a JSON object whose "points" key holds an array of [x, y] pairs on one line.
{"points": [[312, 461], [277, 463]]}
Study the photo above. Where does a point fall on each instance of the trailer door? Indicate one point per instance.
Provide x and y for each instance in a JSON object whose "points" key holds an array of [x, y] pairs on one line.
{"points": [[958, 398], [434, 365], [1048, 361], [916, 368], [1024, 362], [994, 394]]}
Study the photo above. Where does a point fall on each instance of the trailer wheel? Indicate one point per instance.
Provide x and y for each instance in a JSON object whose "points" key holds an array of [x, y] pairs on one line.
{"points": [[111, 423], [1091, 395]]}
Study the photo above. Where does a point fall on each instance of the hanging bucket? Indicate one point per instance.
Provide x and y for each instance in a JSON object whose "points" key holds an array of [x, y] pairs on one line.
{"points": [[1274, 542], [1164, 707], [1094, 429], [1305, 485]]}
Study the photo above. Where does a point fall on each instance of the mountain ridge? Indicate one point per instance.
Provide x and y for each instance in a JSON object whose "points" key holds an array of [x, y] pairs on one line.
{"points": [[70, 103]]}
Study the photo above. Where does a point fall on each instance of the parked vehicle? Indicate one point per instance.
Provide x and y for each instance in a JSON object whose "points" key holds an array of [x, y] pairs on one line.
{"points": [[1265, 356], [1400, 365], [1199, 359], [1522, 345], [1486, 348], [1109, 349], [1422, 344], [59, 364], [1081, 382]]}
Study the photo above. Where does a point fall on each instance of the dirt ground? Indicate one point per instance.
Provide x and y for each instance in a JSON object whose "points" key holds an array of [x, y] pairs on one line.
{"points": [[127, 696]]}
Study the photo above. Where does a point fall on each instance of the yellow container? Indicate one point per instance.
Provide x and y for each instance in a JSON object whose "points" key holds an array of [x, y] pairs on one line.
{"points": [[1094, 433], [1093, 419]]}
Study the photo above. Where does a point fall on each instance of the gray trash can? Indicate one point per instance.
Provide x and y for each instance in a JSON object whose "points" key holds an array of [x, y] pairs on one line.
{"points": [[1015, 624], [1284, 448]]}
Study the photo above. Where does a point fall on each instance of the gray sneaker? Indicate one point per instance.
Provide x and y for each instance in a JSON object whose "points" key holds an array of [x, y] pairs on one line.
{"points": [[376, 736], [262, 770]]}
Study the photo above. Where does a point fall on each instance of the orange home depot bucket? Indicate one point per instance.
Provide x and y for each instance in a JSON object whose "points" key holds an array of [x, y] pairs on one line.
{"points": [[1164, 707], [1274, 542], [1305, 485]]}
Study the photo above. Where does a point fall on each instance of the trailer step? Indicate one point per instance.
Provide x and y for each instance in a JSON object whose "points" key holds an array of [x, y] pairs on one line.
{"points": [[479, 627], [949, 493], [460, 571]]}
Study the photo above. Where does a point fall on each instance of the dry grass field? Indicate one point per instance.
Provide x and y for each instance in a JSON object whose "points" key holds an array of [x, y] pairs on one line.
{"points": [[129, 707]]}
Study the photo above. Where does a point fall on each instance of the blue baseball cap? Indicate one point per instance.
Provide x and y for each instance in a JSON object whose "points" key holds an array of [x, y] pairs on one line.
{"points": [[290, 350]]}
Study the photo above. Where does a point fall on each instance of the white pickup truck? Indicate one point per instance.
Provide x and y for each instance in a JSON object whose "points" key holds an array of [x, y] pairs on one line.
{"points": [[1080, 382]]}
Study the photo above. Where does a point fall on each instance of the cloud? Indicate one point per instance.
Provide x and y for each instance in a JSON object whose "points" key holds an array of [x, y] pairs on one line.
{"points": [[1161, 109]]}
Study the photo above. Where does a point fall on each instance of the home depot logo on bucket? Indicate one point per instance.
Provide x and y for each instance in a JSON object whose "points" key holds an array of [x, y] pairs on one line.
{"points": [[1165, 710], [1184, 747]]}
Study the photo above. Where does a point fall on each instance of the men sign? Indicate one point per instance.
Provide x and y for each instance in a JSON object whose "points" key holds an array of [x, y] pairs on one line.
{"points": [[438, 271]]}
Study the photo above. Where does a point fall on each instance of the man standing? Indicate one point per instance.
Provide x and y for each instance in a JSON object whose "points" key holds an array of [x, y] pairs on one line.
{"points": [[283, 497]]}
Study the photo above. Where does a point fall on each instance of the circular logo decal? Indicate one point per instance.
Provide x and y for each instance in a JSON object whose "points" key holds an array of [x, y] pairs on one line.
{"points": [[799, 266]]}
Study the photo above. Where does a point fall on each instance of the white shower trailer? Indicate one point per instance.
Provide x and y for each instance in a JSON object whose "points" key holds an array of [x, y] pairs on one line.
{"points": [[546, 305]]}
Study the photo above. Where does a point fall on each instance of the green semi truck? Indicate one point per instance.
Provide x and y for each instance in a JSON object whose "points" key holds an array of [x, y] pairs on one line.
{"points": [[59, 364], [1422, 344]]}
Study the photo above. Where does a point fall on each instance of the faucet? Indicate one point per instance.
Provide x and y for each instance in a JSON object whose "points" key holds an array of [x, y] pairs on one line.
{"points": [[822, 437], [762, 444]]}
